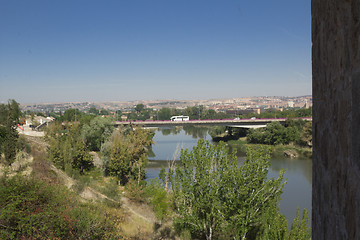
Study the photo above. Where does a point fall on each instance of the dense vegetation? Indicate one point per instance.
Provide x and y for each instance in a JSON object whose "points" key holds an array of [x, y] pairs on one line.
{"points": [[294, 131], [215, 198], [10, 143], [123, 150], [287, 113], [32, 209], [165, 113], [294, 137], [66, 149], [125, 154], [206, 195], [141, 112]]}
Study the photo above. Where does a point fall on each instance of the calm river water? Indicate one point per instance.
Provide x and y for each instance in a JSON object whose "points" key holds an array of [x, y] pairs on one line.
{"points": [[296, 193]]}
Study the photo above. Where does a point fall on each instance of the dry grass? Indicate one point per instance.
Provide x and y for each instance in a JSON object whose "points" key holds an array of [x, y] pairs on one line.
{"points": [[42, 167], [136, 227]]}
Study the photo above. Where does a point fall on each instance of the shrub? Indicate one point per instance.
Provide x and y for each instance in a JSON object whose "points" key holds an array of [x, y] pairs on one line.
{"points": [[158, 198], [31, 209], [135, 191]]}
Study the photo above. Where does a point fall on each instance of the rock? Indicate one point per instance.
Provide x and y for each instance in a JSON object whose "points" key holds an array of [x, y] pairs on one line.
{"points": [[290, 153]]}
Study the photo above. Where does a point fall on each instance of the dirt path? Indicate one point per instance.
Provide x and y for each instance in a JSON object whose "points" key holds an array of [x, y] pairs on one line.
{"points": [[141, 210], [37, 141]]}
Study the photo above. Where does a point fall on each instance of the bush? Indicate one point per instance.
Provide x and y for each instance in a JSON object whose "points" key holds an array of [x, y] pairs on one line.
{"points": [[23, 144], [158, 199], [31, 209], [135, 191], [111, 190]]}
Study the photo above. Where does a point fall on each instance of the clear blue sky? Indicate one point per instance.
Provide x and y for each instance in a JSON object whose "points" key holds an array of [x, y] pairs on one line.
{"points": [[116, 50]]}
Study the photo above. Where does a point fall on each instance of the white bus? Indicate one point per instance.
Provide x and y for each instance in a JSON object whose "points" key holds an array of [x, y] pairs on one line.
{"points": [[179, 118]]}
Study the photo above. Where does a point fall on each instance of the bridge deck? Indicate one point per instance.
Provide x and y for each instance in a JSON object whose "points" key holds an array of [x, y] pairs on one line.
{"points": [[224, 122]]}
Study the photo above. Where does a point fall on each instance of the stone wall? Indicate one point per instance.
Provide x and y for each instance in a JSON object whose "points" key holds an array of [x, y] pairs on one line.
{"points": [[336, 119]]}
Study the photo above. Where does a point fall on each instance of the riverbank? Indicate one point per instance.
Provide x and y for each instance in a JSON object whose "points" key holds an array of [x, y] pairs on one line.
{"points": [[291, 150]]}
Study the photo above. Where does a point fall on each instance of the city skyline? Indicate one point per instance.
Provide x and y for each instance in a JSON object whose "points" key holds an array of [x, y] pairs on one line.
{"points": [[65, 51]]}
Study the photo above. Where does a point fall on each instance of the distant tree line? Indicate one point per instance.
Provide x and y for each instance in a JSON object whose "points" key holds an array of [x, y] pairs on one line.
{"points": [[287, 113], [140, 112], [195, 112]]}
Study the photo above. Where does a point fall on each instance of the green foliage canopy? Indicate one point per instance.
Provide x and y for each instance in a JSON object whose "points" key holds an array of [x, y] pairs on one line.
{"points": [[125, 154], [139, 107], [294, 131], [9, 118], [95, 133], [66, 149], [216, 198]]}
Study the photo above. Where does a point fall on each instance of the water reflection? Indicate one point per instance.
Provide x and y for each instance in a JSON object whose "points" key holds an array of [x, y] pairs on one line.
{"points": [[302, 167], [170, 130], [175, 138], [196, 132]]}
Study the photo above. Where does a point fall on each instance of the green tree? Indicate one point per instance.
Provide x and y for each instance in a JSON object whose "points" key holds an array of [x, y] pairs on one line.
{"points": [[104, 112], [10, 143], [274, 134], [294, 131], [55, 153], [216, 198], [97, 132], [94, 111], [125, 154], [66, 148], [118, 115], [71, 115], [81, 158], [14, 110], [164, 114], [255, 136], [3, 113], [139, 108], [131, 116], [209, 114], [3, 134], [10, 114]]}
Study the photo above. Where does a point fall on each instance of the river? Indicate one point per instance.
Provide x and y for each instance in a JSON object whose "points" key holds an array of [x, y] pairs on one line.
{"points": [[298, 172]]}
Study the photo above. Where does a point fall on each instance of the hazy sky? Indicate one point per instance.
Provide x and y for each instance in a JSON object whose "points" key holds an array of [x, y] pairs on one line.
{"points": [[87, 50]]}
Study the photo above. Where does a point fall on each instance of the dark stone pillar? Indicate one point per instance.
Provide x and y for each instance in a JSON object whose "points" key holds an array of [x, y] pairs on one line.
{"points": [[336, 119]]}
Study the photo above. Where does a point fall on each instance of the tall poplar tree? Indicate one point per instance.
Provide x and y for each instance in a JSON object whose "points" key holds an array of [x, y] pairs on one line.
{"points": [[9, 118], [217, 198]]}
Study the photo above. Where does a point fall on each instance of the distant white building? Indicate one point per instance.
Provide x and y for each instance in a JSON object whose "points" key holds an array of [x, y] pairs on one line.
{"points": [[39, 120], [291, 104]]}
